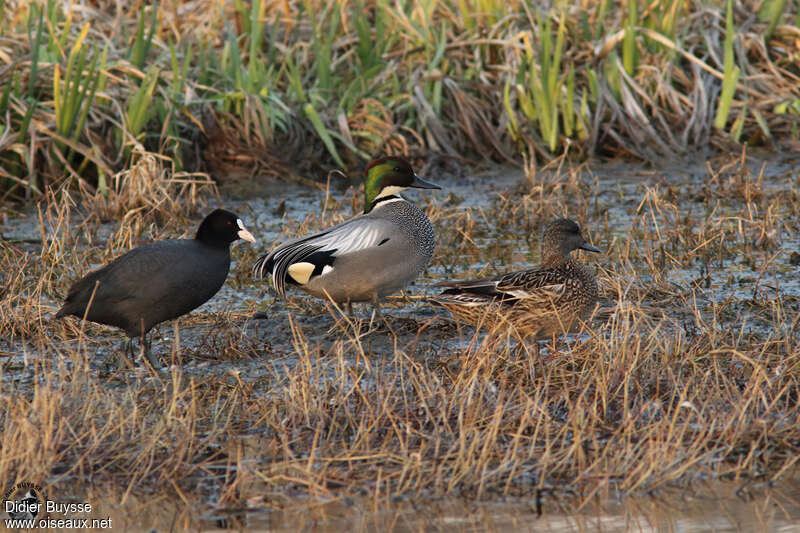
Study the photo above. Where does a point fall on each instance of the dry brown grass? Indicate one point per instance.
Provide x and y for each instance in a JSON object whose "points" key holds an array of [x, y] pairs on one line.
{"points": [[689, 370]]}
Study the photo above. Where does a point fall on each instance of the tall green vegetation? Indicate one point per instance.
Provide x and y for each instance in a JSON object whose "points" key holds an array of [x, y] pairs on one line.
{"points": [[337, 83]]}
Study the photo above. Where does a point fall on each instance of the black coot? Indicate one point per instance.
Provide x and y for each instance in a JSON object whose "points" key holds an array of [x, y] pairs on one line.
{"points": [[158, 281]]}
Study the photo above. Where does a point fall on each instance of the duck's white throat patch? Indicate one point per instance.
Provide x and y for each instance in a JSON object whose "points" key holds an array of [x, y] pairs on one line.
{"points": [[391, 190]]}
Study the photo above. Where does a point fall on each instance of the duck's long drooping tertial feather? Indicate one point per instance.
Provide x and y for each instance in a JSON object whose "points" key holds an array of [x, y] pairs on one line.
{"points": [[322, 250]]}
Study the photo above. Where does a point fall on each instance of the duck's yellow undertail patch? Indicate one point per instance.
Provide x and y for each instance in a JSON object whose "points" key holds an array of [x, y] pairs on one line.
{"points": [[301, 272]]}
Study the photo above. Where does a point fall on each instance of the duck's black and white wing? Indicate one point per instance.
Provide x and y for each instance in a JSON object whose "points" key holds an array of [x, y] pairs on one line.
{"points": [[299, 261]]}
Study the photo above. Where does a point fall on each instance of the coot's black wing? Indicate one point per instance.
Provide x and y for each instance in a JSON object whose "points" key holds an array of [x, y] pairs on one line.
{"points": [[153, 274]]}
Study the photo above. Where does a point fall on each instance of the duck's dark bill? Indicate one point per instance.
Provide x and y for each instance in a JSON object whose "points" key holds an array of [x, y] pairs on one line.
{"points": [[420, 183], [589, 248]]}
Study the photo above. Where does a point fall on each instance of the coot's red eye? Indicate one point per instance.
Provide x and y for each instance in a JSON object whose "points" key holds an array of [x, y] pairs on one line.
{"points": [[230, 223]]}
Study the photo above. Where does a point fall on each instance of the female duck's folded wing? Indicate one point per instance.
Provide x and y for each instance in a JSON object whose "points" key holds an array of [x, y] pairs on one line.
{"points": [[485, 287], [296, 262], [534, 287], [530, 286]]}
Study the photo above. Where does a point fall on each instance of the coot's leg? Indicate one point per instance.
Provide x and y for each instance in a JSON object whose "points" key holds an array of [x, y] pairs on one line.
{"points": [[148, 353], [126, 355]]}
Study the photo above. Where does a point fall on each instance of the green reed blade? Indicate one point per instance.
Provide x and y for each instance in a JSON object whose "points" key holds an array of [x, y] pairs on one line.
{"points": [[762, 123], [139, 108], [97, 79], [730, 74], [629, 59], [35, 54], [770, 12], [141, 42], [312, 115], [568, 116], [738, 124], [513, 125]]}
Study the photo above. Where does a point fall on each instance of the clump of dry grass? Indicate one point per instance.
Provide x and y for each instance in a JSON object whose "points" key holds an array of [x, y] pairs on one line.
{"points": [[147, 189]]}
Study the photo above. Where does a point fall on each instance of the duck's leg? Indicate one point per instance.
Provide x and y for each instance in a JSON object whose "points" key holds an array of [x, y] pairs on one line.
{"points": [[552, 351], [525, 349], [522, 349], [358, 323], [377, 306]]}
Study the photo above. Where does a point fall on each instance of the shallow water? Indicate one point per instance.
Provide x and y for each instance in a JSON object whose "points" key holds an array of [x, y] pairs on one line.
{"points": [[268, 209]]}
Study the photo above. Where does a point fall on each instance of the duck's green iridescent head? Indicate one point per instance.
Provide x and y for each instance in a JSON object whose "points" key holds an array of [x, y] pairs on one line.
{"points": [[387, 177]]}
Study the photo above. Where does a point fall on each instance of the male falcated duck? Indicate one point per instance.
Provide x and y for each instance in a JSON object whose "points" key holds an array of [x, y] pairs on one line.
{"points": [[367, 257], [158, 281], [541, 302]]}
